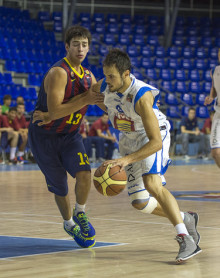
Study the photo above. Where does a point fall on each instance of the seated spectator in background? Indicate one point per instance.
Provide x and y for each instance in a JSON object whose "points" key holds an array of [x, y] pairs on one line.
{"points": [[23, 128], [19, 100], [190, 133], [6, 104], [20, 118], [206, 130], [101, 135], [10, 120], [8, 136], [84, 130]]}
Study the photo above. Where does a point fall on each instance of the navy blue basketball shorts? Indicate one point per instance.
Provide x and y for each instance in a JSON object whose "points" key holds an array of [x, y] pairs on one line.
{"points": [[57, 154]]}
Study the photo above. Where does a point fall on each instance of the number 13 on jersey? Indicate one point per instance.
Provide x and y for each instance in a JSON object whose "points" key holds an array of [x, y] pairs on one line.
{"points": [[74, 119]]}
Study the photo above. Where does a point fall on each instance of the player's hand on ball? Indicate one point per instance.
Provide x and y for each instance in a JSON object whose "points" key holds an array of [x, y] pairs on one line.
{"points": [[121, 162]]}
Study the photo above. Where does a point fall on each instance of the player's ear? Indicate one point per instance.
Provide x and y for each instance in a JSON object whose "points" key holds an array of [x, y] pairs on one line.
{"points": [[126, 73], [67, 47]]}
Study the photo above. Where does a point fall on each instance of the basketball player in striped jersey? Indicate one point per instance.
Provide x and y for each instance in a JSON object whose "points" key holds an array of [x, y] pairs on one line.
{"points": [[215, 95], [56, 144]]}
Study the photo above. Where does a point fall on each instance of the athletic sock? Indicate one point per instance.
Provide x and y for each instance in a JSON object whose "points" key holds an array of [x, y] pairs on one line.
{"points": [[12, 152], [20, 153], [68, 224], [182, 214], [79, 208], [181, 229]]}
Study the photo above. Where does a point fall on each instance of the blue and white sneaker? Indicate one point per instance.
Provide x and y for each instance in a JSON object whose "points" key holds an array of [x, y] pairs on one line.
{"points": [[86, 227], [75, 233]]}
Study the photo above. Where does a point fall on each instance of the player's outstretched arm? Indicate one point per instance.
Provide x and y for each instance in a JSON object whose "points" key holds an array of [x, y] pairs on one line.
{"points": [[55, 84], [97, 88]]}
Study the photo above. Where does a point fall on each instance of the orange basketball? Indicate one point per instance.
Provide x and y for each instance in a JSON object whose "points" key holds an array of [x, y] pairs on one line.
{"points": [[109, 181]]}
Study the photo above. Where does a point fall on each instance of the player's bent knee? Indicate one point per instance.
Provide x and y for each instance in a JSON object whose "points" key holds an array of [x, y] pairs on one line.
{"points": [[145, 207], [142, 201]]}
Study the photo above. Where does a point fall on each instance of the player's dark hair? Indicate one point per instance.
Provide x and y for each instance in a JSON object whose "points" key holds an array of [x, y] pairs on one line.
{"points": [[118, 58], [77, 31]]}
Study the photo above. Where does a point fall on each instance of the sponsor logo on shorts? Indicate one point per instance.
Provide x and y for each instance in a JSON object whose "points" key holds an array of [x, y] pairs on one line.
{"points": [[132, 186]]}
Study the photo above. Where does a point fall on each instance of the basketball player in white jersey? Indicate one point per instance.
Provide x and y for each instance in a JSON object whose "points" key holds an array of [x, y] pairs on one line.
{"points": [[144, 145], [215, 129]]}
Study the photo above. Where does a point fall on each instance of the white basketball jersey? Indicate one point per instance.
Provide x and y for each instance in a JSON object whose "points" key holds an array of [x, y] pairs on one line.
{"points": [[216, 84], [121, 107]]}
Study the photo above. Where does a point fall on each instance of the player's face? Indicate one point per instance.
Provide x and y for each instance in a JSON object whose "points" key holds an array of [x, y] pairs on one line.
{"points": [[115, 81], [77, 49]]}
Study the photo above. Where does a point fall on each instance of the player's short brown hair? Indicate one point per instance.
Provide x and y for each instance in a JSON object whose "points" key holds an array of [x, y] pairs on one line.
{"points": [[77, 31], [118, 58]]}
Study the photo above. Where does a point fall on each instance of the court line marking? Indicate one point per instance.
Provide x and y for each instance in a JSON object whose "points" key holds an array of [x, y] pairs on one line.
{"points": [[196, 170], [95, 218], [114, 244]]}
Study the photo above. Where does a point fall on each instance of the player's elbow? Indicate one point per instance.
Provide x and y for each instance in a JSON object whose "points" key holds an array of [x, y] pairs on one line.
{"points": [[158, 145]]}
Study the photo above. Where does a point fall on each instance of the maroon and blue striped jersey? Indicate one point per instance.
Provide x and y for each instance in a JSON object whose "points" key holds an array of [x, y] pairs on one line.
{"points": [[76, 85]]}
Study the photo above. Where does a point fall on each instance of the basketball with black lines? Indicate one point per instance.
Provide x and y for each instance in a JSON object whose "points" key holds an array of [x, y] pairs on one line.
{"points": [[109, 181]]}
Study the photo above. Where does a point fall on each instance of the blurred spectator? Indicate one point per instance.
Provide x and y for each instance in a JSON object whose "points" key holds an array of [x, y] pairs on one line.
{"points": [[206, 130], [10, 120], [6, 104], [190, 133], [19, 100], [8, 136], [101, 136], [23, 129], [84, 130]]}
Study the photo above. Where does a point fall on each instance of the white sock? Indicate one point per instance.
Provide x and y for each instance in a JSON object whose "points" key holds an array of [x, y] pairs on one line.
{"points": [[12, 152], [79, 208], [20, 153], [69, 223], [182, 214], [181, 229]]}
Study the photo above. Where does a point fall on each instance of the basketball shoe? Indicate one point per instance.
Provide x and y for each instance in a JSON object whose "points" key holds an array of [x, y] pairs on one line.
{"points": [[12, 161], [75, 233], [86, 227], [188, 248], [191, 220]]}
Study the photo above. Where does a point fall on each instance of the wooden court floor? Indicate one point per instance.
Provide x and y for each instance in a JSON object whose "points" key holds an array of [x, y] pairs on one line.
{"points": [[147, 246]]}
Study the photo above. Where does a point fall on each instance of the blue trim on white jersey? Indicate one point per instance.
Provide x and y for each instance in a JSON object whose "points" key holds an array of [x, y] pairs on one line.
{"points": [[154, 169], [129, 194], [133, 82], [140, 93], [103, 85], [155, 102]]}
